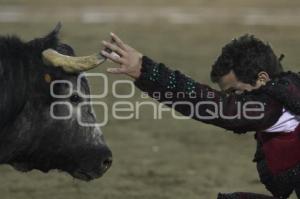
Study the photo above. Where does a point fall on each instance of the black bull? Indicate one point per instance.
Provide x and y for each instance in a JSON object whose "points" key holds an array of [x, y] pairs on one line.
{"points": [[29, 137]]}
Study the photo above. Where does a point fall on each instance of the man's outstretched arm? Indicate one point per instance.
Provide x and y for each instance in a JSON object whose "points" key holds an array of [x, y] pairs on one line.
{"points": [[250, 111]]}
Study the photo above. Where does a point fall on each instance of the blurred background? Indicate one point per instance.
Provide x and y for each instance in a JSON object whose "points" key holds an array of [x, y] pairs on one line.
{"points": [[156, 158]]}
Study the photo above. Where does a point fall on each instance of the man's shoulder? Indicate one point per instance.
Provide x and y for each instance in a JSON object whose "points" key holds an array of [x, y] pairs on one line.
{"points": [[286, 89]]}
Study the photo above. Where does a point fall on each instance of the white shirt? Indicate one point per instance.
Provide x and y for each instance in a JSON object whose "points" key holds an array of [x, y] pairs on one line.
{"points": [[287, 123]]}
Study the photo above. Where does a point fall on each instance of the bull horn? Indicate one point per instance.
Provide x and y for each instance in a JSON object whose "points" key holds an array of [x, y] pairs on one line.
{"points": [[71, 64]]}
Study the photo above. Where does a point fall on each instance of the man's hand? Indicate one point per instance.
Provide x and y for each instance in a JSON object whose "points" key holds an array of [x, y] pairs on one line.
{"points": [[129, 59]]}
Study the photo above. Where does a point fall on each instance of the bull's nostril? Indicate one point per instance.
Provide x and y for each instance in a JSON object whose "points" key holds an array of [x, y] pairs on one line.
{"points": [[107, 163]]}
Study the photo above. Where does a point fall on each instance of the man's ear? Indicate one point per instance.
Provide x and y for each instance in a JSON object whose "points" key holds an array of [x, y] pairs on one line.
{"points": [[262, 78]]}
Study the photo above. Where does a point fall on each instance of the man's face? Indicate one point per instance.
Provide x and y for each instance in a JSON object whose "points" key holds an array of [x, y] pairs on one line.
{"points": [[229, 83]]}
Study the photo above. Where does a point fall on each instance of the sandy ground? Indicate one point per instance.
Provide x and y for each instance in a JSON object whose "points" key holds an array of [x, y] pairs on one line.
{"points": [[140, 14]]}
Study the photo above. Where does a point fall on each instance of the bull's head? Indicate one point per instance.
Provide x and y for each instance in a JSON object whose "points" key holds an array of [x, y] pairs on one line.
{"points": [[31, 138]]}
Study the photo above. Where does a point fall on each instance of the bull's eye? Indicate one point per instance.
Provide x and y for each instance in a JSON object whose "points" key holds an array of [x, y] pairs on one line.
{"points": [[75, 98]]}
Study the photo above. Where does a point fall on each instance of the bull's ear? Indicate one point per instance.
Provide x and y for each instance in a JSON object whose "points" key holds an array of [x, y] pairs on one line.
{"points": [[51, 40], [57, 28], [55, 32]]}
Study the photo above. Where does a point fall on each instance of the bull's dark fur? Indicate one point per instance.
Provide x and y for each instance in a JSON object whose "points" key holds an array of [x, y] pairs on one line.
{"points": [[29, 137], [17, 60]]}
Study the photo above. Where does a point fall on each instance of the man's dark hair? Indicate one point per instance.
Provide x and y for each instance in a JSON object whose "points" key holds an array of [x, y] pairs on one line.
{"points": [[246, 56]]}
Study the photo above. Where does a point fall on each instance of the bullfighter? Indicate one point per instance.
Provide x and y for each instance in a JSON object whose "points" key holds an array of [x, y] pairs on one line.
{"points": [[248, 73]]}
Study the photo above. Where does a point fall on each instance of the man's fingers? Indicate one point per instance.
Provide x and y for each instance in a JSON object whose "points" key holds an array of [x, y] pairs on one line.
{"points": [[116, 70], [118, 41], [113, 57], [114, 48]]}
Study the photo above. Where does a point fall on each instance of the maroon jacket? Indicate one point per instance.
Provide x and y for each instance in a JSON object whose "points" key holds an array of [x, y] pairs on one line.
{"points": [[280, 92]]}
